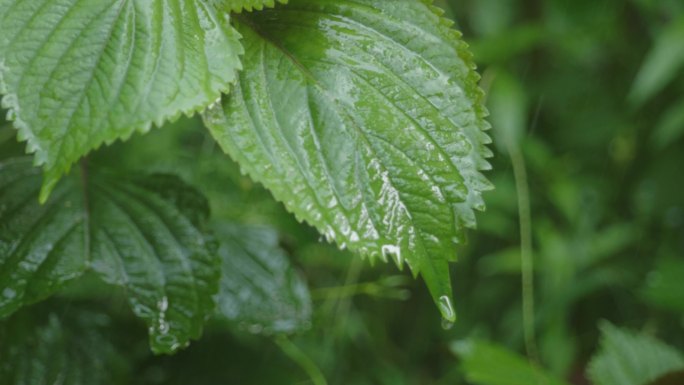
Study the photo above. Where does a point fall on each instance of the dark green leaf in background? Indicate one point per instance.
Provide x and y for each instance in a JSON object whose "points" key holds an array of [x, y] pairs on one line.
{"points": [[41, 246], [77, 74], [73, 349], [260, 291], [125, 230], [365, 119]]}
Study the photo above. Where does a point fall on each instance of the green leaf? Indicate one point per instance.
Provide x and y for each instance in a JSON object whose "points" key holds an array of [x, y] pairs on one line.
{"points": [[80, 73], [73, 348], [662, 64], [663, 286], [41, 246], [365, 119], [246, 5], [628, 358], [670, 127], [260, 291], [125, 230], [489, 364]]}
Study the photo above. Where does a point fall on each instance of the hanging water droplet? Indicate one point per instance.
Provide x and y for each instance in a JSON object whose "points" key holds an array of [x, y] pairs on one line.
{"points": [[447, 309], [447, 325]]}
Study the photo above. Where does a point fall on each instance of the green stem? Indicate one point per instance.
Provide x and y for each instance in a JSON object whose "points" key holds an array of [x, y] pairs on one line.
{"points": [[526, 254]]}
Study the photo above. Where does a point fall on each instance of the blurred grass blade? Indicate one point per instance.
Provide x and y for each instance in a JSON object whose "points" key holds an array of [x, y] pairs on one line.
{"points": [[661, 65], [670, 127], [627, 358]]}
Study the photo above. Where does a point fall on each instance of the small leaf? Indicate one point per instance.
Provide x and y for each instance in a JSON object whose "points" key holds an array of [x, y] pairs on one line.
{"points": [[488, 364], [627, 358], [120, 227], [260, 291], [365, 119], [80, 73], [73, 348]]}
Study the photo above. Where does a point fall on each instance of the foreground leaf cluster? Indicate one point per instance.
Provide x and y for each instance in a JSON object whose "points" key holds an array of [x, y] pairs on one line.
{"points": [[363, 117]]}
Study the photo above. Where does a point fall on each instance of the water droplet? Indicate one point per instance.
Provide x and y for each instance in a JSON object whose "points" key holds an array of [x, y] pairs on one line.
{"points": [[167, 340], [462, 146], [163, 304], [447, 309], [216, 103], [329, 234], [395, 253], [447, 325], [255, 328], [9, 293], [163, 326]]}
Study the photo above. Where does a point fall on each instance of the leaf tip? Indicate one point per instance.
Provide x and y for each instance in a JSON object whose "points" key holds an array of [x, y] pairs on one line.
{"points": [[50, 179]]}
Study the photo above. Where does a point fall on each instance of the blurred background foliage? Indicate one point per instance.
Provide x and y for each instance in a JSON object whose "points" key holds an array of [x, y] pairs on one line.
{"points": [[587, 100]]}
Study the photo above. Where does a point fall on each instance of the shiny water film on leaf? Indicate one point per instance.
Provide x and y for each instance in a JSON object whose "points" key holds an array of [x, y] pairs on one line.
{"points": [[126, 230], [366, 120], [260, 291], [76, 74]]}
